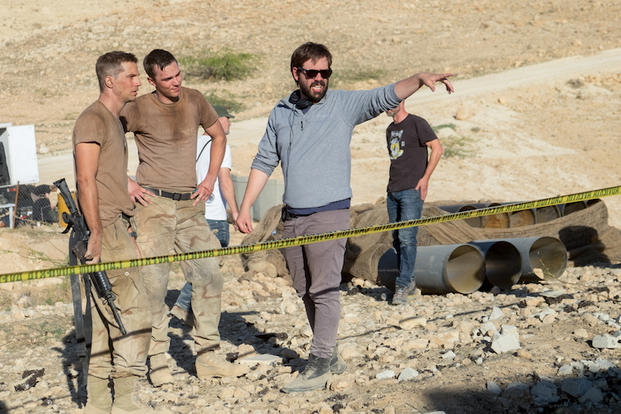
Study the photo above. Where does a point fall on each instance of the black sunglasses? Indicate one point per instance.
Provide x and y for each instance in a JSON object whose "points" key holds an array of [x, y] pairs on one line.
{"points": [[312, 73]]}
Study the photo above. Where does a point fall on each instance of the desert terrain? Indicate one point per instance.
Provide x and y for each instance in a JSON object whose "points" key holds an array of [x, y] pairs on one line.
{"points": [[536, 113]]}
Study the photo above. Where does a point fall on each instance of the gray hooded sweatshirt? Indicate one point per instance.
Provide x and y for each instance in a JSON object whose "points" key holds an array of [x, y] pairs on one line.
{"points": [[314, 147]]}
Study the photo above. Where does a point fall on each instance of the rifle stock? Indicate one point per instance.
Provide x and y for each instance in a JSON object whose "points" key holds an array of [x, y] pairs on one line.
{"points": [[76, 222]]}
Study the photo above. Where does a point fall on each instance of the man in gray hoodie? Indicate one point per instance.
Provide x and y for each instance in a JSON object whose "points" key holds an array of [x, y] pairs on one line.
{"points": [[309, 133]]}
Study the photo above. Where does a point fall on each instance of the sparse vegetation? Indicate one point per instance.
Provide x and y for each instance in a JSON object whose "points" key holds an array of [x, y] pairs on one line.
{"points": [[455, 146], [345, 76], [228, 102], [58, 292], [360, 75], [436, 128], [226, 65]]}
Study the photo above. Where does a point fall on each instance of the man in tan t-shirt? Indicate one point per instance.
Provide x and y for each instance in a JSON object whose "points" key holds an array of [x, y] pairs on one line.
{"points": [[170, 209], [100, 153]]}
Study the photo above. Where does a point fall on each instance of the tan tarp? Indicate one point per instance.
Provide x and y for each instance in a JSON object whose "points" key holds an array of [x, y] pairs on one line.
{"points": [[585, 232]]}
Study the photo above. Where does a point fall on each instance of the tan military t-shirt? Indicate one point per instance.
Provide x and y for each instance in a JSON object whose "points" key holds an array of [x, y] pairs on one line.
{"points": [[98, 125], [166, 138]]}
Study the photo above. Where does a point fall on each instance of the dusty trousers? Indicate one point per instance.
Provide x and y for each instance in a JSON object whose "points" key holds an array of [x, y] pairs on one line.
{"points": [[113, 355], [316, 273], [166, 227]]}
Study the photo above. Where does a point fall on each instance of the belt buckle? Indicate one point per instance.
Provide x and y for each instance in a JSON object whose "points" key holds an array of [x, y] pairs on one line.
{"points": [[177, 196]]}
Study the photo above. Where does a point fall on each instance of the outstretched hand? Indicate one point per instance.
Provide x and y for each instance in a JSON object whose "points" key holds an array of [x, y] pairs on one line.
{"points": [[430, 79], [406, 87]]}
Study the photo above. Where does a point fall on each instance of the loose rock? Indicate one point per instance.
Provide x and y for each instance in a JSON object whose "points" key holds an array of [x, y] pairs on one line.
{"points": [[507, 340], [605, 342]]}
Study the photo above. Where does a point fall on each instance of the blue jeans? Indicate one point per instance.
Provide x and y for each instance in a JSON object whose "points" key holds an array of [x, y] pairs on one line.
{"points": [[221, 230], [402, 206]]}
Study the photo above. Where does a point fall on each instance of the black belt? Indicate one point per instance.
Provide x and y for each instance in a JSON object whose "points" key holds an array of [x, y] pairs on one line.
{"points": [[172, 196], [285, 214]]}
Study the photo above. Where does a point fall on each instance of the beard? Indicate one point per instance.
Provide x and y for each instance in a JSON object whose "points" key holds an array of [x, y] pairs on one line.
{"points": [[392, 112], [314, 97]]}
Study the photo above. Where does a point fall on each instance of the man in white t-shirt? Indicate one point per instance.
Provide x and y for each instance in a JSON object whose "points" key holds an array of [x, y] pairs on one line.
{"points": [[215, 207]]}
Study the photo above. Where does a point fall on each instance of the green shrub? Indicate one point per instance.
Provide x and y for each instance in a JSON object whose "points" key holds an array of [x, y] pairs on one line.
{"points": [[226, 65], [436, 128], [455, 146]]}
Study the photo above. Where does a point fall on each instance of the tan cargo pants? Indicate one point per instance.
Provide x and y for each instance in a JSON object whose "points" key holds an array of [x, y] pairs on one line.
{"points": [[112, 355], [165, 227]]}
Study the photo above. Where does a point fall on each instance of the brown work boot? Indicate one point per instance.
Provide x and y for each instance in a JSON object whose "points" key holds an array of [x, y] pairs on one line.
{"points": [[209, 365], [99, 396], [159, 374], [125, 401]]}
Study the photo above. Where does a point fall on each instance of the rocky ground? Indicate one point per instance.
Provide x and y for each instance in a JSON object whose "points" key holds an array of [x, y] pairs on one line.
{"points": [[550, 347]]}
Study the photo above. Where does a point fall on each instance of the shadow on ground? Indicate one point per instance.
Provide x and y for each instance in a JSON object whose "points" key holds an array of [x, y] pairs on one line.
{"points": [[234, 328]]}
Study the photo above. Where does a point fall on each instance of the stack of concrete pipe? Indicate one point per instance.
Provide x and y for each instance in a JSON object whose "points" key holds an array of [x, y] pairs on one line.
{"points": [[518, 218], [465, 268]]}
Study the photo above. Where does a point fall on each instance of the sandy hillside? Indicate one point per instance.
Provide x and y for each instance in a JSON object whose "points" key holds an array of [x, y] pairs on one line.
{"points": [[536, 113]]}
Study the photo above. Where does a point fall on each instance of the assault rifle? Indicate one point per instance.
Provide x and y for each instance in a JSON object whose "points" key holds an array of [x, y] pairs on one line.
{"points": [[75, 221]]}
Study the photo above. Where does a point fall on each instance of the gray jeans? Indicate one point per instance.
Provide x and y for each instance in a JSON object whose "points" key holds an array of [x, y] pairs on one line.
{"points": [[316, 273]]}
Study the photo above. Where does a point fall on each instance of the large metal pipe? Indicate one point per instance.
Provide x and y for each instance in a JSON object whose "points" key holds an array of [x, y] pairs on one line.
{"points": [[454, 208], [548, 213], [474, 221], [522, 218], [572, 207], [497, 221], [453, 268], [458, 208], [503, 263], [541, 257]]}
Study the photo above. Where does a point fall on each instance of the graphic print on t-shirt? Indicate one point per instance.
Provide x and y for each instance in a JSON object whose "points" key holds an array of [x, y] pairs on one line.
{"points": [[396, 144]]}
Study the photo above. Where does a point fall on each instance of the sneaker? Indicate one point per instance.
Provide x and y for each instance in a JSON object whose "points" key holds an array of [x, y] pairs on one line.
{"points": [[401, 294], [314, 377]]}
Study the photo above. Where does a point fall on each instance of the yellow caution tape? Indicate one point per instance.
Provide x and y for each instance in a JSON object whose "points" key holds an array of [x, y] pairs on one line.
{"points": [[309, 239]]}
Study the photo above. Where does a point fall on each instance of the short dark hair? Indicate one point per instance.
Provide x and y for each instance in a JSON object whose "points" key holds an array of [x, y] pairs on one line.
{"points": [[309, 50], [109, 64], [157, 57]]}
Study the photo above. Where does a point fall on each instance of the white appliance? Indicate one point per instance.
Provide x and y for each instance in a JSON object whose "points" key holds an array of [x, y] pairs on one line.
{"points": [[20, 150]]}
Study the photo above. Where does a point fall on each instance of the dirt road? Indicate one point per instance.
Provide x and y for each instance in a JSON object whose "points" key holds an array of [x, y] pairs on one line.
{"points": [[443, 108]]}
